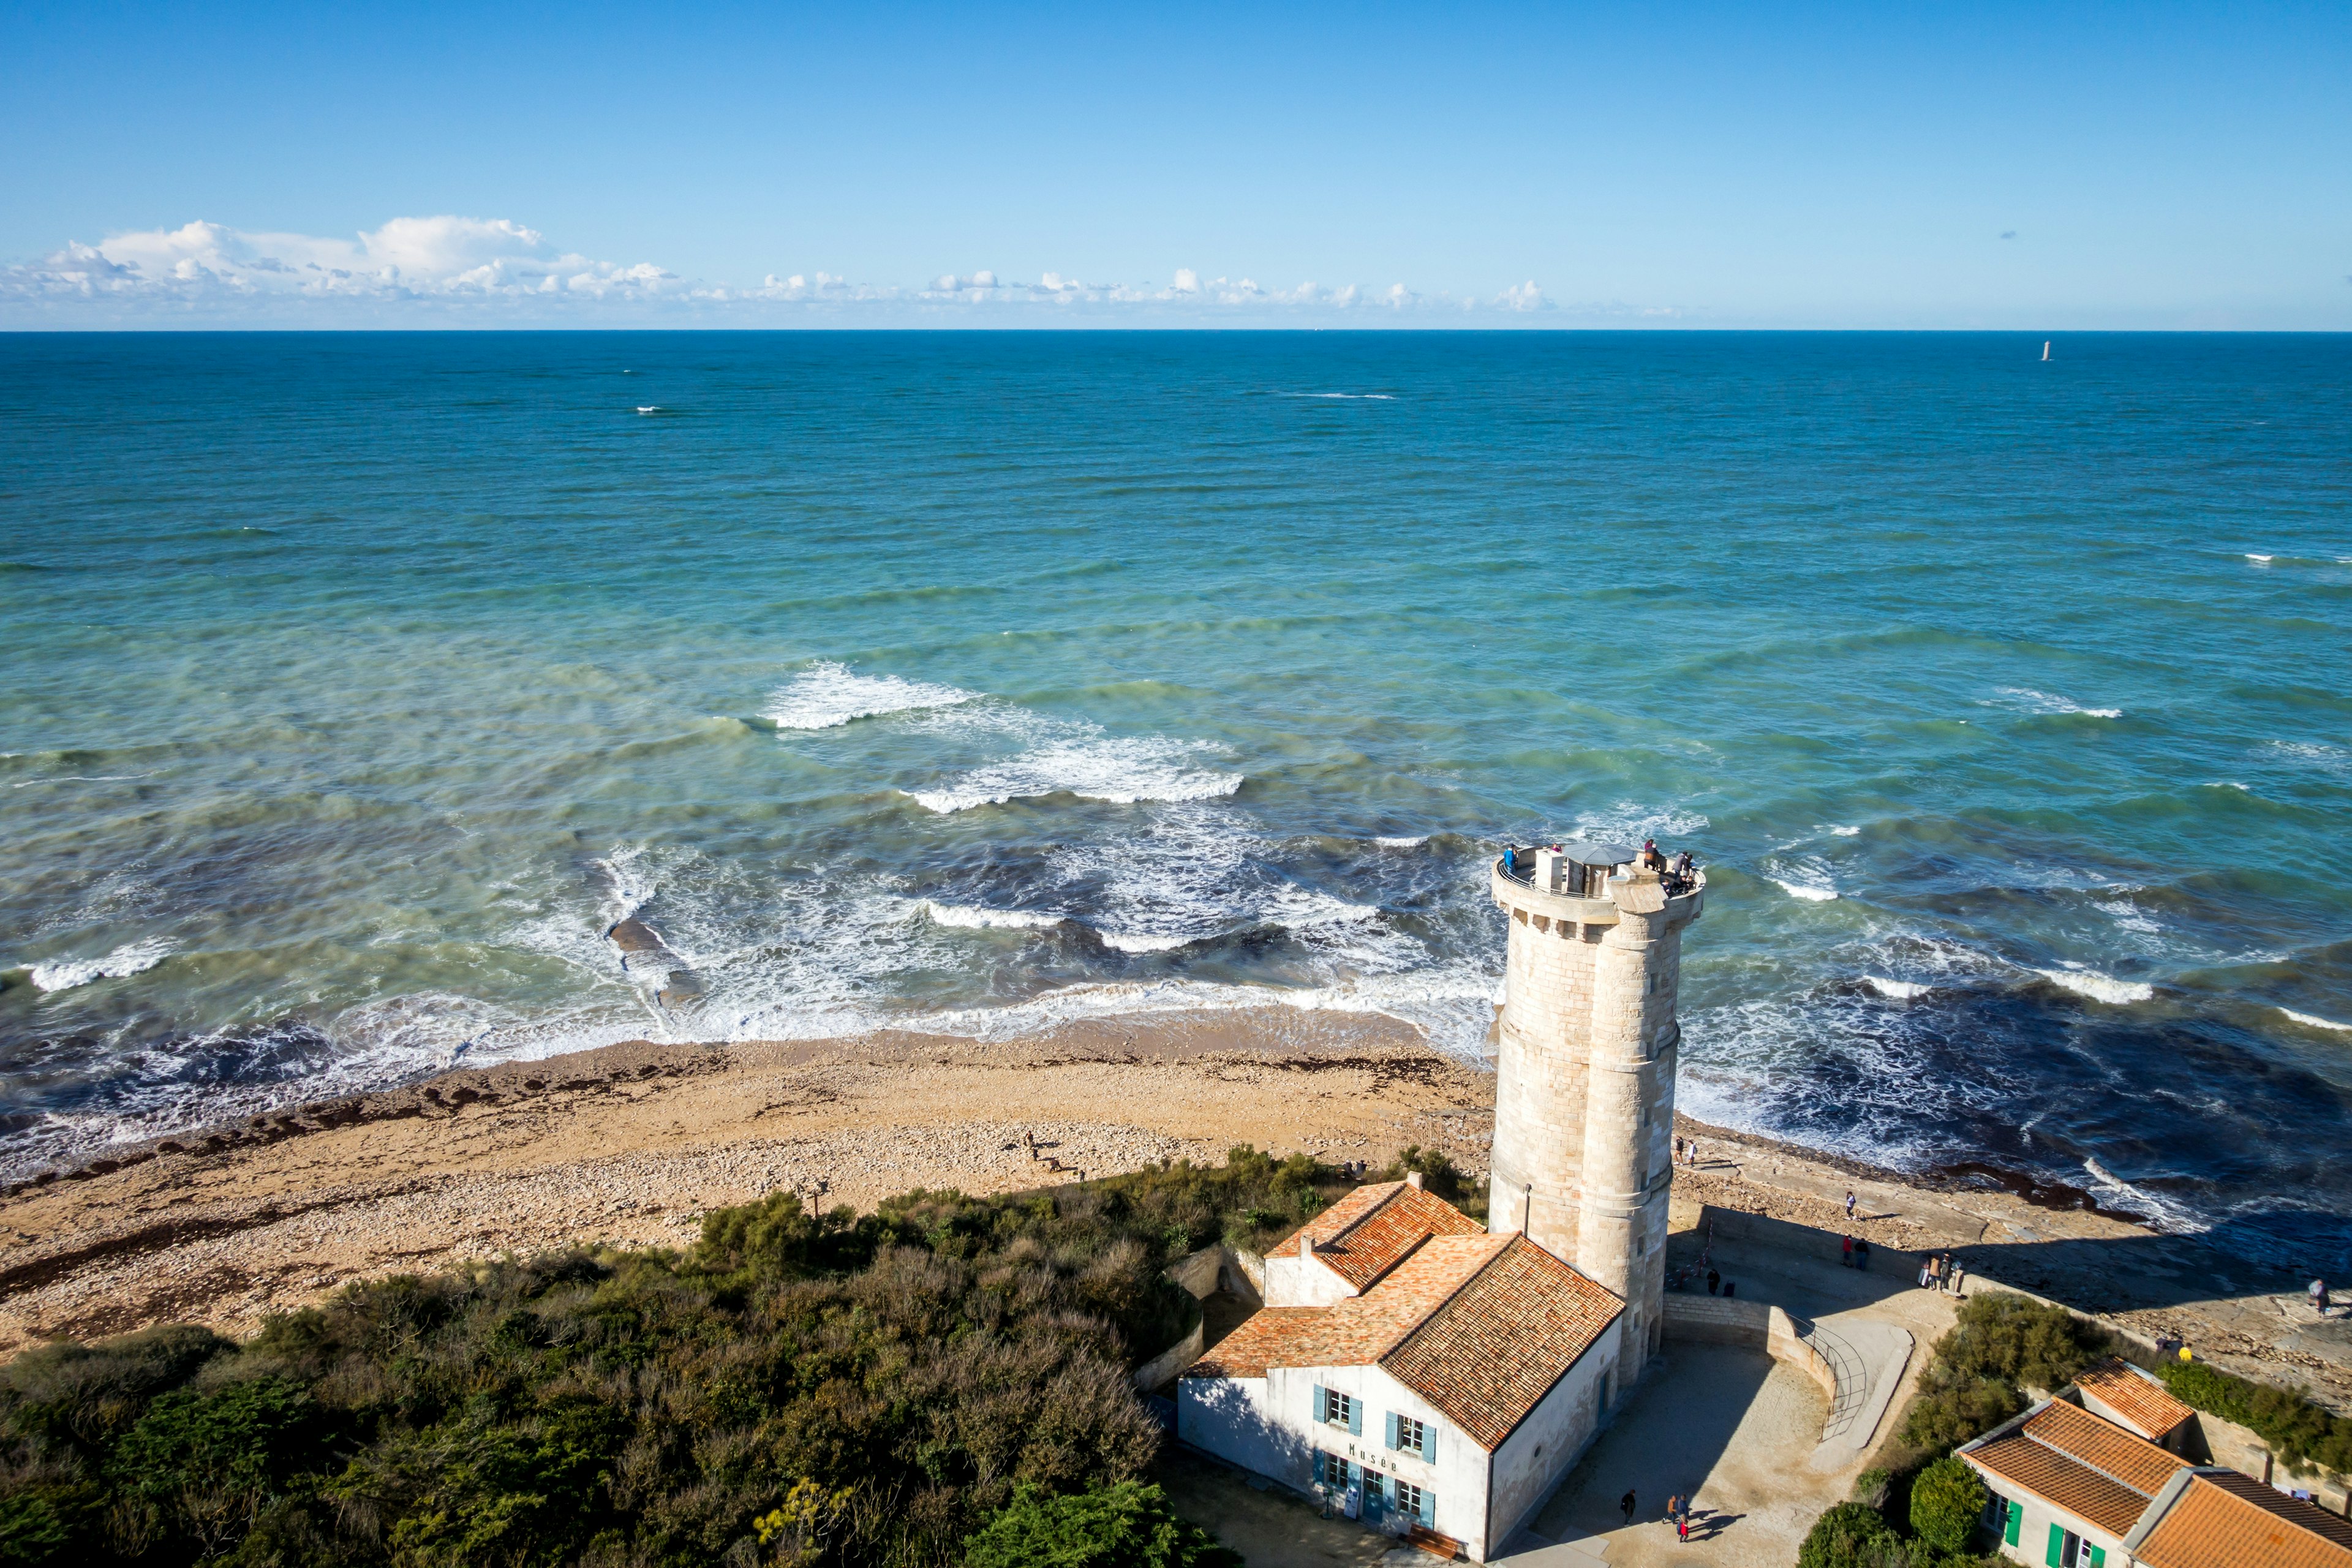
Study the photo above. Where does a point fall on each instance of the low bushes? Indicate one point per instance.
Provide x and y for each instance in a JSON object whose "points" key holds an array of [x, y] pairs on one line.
{"points": [[796, 1388], [1127, 1525], [1977, 1375], [2299, 1432]]}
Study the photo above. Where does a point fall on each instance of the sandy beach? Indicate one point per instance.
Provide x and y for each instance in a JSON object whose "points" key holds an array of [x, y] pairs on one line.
{"points": [[628, 1145]]}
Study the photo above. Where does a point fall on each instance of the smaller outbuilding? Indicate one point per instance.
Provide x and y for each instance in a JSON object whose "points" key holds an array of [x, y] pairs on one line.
{"points": [[1425, 1375], [2074, 1488]]}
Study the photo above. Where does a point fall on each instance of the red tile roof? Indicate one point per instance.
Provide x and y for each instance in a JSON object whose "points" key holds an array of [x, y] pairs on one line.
{"points": [[2104, 1446], [2224, 1520], [2083, 1463], [1481, 1326], [1497, 1344], [2054, 1479], [1370, 1231], [2138, 1398]]}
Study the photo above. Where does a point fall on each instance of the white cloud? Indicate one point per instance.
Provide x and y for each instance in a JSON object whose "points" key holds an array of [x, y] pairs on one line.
{"points": [[448, 269]]}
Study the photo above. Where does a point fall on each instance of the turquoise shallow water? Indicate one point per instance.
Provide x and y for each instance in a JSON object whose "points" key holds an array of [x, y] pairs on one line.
{"points": [[359, 683]]}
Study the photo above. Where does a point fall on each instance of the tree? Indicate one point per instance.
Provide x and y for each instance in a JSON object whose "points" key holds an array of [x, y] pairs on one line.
{"points": [[1851, 1535], [1947, 1502], [1125, 1525]]}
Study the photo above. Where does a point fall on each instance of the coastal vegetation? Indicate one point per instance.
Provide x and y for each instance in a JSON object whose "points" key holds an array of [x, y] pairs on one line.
{"points": [[945, 1380], [2298, 1431]]}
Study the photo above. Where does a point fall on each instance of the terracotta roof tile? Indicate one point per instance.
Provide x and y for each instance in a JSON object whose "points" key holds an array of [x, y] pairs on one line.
{"points": [[1479, 1325], [1497, 1343], [2103, 1445], [2055, 1478], [2227, 1520], [1368, 1232], [1272, 1336], [2135, 1395]]}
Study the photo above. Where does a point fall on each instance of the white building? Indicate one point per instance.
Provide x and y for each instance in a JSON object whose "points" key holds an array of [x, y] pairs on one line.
{"points": [[2073, 1487], [1434, 1373]]}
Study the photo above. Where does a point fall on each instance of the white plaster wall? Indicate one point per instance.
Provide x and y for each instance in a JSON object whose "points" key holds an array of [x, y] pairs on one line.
{"points": [[1294, 1281], [2033, 1536], [1233, 1419], [1458, 1476], [1554, 1435]]}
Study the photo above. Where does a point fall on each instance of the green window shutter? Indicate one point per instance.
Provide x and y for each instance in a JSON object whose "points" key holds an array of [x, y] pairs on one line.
{"points": [[2016, 1521], [2098, 1557], [1355, 1419], [1321, 1403], [2057, 1545], [1392, 1429]]}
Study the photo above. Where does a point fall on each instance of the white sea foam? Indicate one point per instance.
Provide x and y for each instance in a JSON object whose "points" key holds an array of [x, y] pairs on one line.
{"points": [[973, 917], [1896, 990], [1351, 397], [1629, 822], [2319, 753], [2264, 559], [2097, 987], [130, 958], [2032, 702], [1121, 771], [2130, 917], [1802, 877], [1846, 832], [827, 695], [2312, 1021], [2163, 1212], [81, 778], [1413, 842], [649, 408]]}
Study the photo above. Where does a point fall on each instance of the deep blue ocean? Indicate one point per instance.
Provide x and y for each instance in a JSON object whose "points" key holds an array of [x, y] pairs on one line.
{"points": [[357, 684]]}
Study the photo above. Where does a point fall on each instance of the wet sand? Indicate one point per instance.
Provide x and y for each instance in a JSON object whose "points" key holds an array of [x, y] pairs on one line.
{"points": [[630, 1144]]}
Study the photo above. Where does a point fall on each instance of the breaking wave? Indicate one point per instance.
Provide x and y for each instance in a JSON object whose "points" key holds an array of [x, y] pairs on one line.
{"points": [[828, 695], [131, 958], [2097, 987], [1120, 770]]}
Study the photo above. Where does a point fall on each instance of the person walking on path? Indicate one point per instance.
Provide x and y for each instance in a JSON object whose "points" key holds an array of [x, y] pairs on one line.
{"points": [[1846, 1251], [2319, 1297], [1849, 1203], [1959, 1273], [1628, 1504], [1674, 1508], [1713, 1282], [1862, 1255]]}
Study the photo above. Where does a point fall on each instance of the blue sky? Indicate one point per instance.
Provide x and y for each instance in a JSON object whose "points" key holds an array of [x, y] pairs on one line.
{"points": [[2012, 166]]}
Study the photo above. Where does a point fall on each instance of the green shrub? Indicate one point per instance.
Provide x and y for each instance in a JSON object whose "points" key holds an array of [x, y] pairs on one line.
{"points": [[1126, 1525], [1999, 1342], [2299, 1432], [857, 1389], [1851, 1535], [1948, 1500]]}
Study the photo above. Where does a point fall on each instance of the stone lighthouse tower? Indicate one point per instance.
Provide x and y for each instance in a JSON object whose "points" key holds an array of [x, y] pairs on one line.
{"points": [[1584, 1089]]}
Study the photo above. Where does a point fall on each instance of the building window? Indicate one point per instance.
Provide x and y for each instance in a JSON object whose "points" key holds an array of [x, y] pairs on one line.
{"points": [[1340, 1409], [1415, 1503], [1330, 1471], [1412, 1434]]}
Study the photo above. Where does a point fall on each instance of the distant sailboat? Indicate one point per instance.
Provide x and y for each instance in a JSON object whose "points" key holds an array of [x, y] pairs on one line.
{"points": [[2045, 354]]}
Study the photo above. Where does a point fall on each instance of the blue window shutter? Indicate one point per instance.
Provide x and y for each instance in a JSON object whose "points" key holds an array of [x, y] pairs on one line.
{"points": [[1355, 1419], [1392, 1438], [2057, 1545], [1428, 1514], [1429, 1442], [1320, 1404]]}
